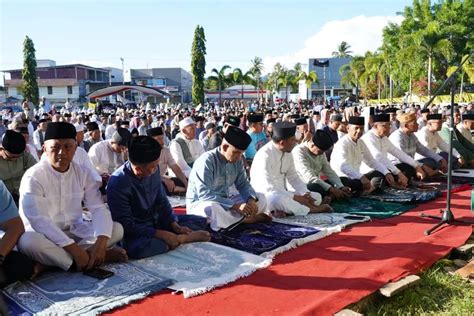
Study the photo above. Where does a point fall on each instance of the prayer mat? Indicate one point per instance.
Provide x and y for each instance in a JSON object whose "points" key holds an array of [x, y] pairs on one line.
{"points": [[420, 193], [61, 293], [369, 207], [177, 201], [331, 222], [266, 239], [199, 267]]}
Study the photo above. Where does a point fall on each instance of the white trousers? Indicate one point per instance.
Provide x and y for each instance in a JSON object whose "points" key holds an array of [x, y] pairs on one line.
{"points": [[41, 249], [282, 201], [218, 216]]}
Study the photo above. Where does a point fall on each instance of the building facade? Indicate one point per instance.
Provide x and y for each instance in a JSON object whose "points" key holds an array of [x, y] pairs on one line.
{"points": [[176, 81], [59, 83]]}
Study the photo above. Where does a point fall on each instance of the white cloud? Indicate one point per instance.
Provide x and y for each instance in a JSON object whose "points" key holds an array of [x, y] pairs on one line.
{"points": [[362, 33]]}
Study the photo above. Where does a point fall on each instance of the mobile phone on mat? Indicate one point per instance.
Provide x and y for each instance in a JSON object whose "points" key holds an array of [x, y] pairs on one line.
{"points": [[99, 273]]}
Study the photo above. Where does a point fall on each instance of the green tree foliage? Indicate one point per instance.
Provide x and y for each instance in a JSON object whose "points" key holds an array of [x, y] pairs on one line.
{"points": [[220, 79], [30, 84], [198, 65], [342, 50]]}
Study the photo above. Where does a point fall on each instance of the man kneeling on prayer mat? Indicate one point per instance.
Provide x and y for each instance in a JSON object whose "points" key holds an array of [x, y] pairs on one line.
{"points": [[137, 200], [214, 173], [349, 153], [51, 197], [173, 185], [405, 139], [311, 163], [273, 168], [380, 146]]}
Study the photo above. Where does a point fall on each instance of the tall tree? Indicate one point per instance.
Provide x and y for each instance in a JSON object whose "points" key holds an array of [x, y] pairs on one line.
{"points": [[352, 73], [342, 50], [309, 78], [220, 78], [256, 71], [239, 77], [198, 64], [28, 75]]}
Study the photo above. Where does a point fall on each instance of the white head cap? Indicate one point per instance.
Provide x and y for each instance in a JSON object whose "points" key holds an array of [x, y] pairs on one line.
{"points": [[185, 122]]}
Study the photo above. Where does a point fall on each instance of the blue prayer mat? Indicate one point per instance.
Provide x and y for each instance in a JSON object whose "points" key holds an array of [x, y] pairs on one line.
{"points": [[266, 239], [61, 293]]}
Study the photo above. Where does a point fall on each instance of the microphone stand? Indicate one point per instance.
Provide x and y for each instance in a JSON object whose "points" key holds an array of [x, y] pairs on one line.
{"points": [[447, 216]]}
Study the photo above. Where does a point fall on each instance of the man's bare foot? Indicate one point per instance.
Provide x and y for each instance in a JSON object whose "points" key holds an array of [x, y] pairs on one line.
{"points": [[116, 254], [197, 235], [258, 218], [323, 208], [38, 268]]}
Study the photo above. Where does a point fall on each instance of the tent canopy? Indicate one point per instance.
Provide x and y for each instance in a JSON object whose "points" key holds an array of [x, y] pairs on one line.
{"points": [[99, 93]]}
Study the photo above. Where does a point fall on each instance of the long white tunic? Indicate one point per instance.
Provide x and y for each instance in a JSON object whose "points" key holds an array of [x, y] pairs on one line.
{"points": [[380, 147], [347, 157], [104, 159], [195, 148], [50, 203], [433, 141], [272, 170]]}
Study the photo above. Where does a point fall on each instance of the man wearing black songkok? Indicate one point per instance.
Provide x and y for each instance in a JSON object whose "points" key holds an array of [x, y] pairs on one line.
{"points": [[137, 200]]}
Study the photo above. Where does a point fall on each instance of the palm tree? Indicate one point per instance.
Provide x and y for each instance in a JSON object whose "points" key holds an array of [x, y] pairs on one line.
{"points": [[219, 78], [342, 50], [351, 73], [256, 71], [375, 70], [309, 78], [288, 79], [238, 77]]}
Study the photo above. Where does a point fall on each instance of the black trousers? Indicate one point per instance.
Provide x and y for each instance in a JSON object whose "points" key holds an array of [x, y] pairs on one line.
{"points": [[314, 187], [376, 178], [177, 182], [408, 171], [16, 267]]}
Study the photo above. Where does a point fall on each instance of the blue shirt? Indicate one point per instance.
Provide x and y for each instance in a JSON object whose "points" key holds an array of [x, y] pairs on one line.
{"points": [[211, 178], [140, 205], [258, 141], [8, 209]]}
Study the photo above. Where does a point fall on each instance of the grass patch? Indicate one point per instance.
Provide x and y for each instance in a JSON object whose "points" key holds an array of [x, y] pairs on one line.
{"points": [[438, 293]]}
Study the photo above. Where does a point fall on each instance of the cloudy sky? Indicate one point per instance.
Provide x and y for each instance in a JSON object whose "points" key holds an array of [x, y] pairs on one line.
{"points": [[158, 33]]}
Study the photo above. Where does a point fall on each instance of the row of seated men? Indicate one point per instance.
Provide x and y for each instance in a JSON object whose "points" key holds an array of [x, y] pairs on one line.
{"points": [[139, 217]]}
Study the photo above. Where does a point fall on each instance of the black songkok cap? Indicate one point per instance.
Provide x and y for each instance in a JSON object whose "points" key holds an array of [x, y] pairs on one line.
{"points": [[14, 142], [155, 131], [434, 117], [271, 120], [233, 120], [134, 131], [42, 121], [425, 111], [255, 117], [60, 130], [300, 121], [284, 130], [92, 126], [322, 140], [356, 120], [381, 118], [294, 116], [237, 137], [391, 110], [121, 136], [143, 149], [468, 116], [22, 130]]}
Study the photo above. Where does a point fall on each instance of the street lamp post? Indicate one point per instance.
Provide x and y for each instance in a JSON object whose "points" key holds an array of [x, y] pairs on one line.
{"points": [[123, 76]]}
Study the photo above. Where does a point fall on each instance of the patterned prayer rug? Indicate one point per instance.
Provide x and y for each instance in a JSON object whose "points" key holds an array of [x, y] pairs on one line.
{"points": [[61, 293], [420, 193], [199, 267], [266, 239], [372, 208], [331, 222]]}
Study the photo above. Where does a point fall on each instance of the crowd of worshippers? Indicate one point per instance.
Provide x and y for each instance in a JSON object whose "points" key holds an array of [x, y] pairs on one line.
{"points": [[79, 190]]}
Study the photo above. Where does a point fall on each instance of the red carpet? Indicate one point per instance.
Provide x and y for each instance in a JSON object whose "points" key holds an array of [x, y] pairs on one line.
{"points": [[324, 276]]}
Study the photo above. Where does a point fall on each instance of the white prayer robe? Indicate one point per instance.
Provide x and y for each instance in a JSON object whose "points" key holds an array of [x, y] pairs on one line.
{"points": [[51, 209], [110, 130], [465, 132], [380, 147], [104, 159], [347, 157], [433, 141], [195, 148], [272, 170]]}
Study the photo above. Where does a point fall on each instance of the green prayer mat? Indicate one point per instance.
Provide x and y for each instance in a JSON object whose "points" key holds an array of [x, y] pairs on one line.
{"points": [[372, 208]]}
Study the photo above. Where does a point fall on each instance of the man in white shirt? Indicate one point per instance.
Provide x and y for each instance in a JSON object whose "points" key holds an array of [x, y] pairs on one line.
{"points": [[273, 168], [51, 196], [185, 148], [380, 146], [38, 134], [422, 120], [466, 126], [430, 138], [347, 157], [108, 155]]}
